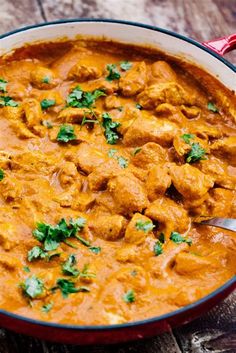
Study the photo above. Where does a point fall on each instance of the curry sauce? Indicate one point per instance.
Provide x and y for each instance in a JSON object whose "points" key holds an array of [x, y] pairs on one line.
{"points": [[110, 155]]}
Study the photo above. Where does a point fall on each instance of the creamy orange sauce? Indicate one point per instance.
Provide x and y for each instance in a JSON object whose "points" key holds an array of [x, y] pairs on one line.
{"points": [[131, 194]]}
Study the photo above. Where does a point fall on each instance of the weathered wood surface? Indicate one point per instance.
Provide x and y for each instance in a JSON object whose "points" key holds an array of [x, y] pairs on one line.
{"points": [[200, 19]]}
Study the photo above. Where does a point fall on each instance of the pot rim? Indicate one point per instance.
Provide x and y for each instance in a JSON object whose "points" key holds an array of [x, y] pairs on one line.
{"points": [[230, 283]]}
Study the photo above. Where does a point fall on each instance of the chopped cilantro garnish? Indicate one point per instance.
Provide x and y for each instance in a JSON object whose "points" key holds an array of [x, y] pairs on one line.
{"points": [[51, 236], [136, 150], [3, 85], [162, 238], [67, 287], [47, 307], [81, 99], [6, 101], [32, 287], [113, 72], [125, 65], [212, 107], [158, 248], [66, 134], [110, 128], [178, 239], [26, 269], [138, 106], [95, 249], [1, 174], [69, 267], [47, 124], [187, 137], [129, 296], [145, 226], [196, 153], [123, 162], [36, 253], [47, 103], [133, 273], [46, 79]]}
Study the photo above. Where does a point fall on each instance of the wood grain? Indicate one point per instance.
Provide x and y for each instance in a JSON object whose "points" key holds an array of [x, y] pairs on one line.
{"points": [[214, 332]]}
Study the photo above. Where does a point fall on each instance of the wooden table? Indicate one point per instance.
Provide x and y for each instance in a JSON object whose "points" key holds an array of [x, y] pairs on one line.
{"points": [[200, 19]]}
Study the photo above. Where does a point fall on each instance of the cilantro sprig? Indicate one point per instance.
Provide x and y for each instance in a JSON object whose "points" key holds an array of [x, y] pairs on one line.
{"points": [[66, 134], [125, 65], [82, 99], [129, 296], [113, 73], [69, 267], [47, 103], [197, 152], [6, 101], [68, 287], [178, 238], [3, 85], [110, 127], [32, 287], [145, 226]]}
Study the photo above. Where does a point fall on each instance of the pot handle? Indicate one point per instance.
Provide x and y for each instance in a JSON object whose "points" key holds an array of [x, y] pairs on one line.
{"points": [[222, 45]]}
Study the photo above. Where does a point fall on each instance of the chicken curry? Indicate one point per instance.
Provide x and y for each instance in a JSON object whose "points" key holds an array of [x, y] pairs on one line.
{"points": [[110, 156]]}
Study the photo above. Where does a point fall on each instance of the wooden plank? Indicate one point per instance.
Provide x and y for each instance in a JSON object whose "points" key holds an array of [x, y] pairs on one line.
{"points": [[17, 14], [199, 19], [213, 332]]}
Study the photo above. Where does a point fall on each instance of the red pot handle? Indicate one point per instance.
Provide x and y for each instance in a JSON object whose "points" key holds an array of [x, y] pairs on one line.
{"points": [[222, 45]]}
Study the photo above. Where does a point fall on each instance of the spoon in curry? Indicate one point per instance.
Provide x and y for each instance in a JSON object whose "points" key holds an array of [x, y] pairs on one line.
{"points": [[225, 223]]}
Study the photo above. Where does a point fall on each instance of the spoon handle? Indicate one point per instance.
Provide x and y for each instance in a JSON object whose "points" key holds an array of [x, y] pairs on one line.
{"points": [[225, 223]]}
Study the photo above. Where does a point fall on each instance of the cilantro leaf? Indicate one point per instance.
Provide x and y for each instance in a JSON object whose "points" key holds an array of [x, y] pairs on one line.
{"points": [[1, 174], [68, 268], [123, 162], [111, 152], [113, 73], [136, 150], [36, 253], [178, 239], [158, 248], [162, 238], [212, 107], [138, 106], [196, 153], [66, 134], [3, 85], [32, 287], [47, 103], [67, 287], [110, 129], [125, 65], [129, 296], [26, 269], [46, 79], [145, 226], [47, 307], [81, 99], [95, 249], [6, 101], [85, 272], [187, 137]]}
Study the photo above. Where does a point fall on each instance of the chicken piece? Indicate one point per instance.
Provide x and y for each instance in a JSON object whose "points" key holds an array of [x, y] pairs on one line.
{"points": [[172, 113], [218, 171], [106, 86], [76, 115], [68, 174], [112, 102], [150, 129], [10, 188], [33, 115], [169, 215], [163, 72], [180, 146], [17, 91], [13, 113], [160, 265], [34, 162], [205, 131], [128, 193], [187, 263], [43, 78], [107, 227], [150, 154], [5, 159], [226, 149], [83, 202], [8, 236], [87, 158], [9, 262], [221, 203], [105, 202], [134, 80], [169, 92], [190, 112], [136, 234], [130, 114], [21, 130], [100, 176], [127, 253], [82, 73], [158, 181], [134, 276], [190, 182]]}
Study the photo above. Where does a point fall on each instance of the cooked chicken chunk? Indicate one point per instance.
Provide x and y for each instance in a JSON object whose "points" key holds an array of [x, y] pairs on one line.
{"points": [[134, 80]]}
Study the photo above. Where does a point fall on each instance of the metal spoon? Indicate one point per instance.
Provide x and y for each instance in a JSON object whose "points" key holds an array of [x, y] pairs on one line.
{"points": [[225, 223]]}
